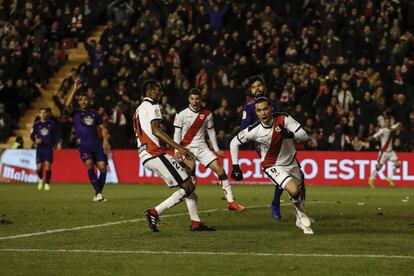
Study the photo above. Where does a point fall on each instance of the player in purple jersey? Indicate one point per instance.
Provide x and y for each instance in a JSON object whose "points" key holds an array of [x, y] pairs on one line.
{"points": [[45, 135], [93, 139], [257, 87]]}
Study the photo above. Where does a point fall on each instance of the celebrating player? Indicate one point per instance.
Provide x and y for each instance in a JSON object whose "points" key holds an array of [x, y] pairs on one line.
{"points": [[386, 152], [93, 139], [150, 139], [190, 128], [258, 89], [274, 135], [45, 136]]}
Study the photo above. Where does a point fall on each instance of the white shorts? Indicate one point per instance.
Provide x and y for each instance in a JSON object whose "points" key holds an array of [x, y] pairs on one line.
{"points": [[280, 175], [384, 156], [204, 155], [168, 169]]}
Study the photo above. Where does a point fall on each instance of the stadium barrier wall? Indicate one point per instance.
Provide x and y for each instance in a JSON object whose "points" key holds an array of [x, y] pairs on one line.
{"points": [[319, 167]]}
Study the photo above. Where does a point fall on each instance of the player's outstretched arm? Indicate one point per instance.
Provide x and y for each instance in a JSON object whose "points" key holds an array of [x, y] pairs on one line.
{"points": [[71, 95], [157, 131], [236, 172]]}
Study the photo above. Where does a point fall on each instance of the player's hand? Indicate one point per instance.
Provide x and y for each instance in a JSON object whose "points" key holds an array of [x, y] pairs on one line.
{"points": [[77, 84], [185, 152], [220, 153], [38, 141], [106, 146], [236, 173], [178, 156], [287, 134]]}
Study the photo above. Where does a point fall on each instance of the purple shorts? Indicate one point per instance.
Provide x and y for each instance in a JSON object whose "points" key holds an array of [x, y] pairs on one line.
{"points": [[44, 155], [93, 152]]}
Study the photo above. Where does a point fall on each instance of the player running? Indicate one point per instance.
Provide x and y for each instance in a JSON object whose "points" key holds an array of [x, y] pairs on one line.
{"points": [[191, 125], [257, 87], [45, 135], [150, 139], [386, 152], [93, 139], [274, 135]]}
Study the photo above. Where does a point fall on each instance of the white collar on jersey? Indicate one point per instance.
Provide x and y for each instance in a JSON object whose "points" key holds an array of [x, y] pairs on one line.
{"points": [[195, 111], [267, 126], [148, 99]]}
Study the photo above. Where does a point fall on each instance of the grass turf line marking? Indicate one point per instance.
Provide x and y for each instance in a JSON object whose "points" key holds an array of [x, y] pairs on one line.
{"points": [[28, 250], [131, 221]]}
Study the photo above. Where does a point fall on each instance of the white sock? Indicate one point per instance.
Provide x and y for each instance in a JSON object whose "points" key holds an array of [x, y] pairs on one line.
{"points": [[191, 202], [225, 185], [374, 174], [174, 199]]}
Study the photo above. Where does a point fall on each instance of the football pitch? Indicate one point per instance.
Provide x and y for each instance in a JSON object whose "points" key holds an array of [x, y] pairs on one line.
{"points": [[358, 231]]}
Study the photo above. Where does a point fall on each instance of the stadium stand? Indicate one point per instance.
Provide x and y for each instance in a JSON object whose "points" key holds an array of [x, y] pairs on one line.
{"points": [[338, 67]]}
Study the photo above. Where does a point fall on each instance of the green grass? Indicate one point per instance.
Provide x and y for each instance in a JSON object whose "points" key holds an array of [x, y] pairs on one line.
{"points": [[348, 221]]}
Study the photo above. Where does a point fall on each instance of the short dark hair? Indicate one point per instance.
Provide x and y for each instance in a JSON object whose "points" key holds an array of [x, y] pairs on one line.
{"points": [[262, 100], [83, 94], [150, 84], [194, 91], [255, 78]]}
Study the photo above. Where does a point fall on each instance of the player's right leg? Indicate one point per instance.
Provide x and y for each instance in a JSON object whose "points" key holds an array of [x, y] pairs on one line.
{"points": [[173, 175], [39, 170]]}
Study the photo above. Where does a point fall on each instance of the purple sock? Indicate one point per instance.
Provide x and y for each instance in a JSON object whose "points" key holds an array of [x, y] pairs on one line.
{"points": [[40, 173], [48, 176], [93, 179], [101, 179]]}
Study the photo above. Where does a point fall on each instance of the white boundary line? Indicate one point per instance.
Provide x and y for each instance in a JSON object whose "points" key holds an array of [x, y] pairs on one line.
{"points": [[145, 252], [132, 220]]}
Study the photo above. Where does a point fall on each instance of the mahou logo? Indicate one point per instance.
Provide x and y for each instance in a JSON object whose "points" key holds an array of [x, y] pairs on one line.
{"points": [[18, 166], [17, 174]]}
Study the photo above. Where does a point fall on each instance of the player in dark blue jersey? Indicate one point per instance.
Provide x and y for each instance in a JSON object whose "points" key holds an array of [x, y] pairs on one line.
{"points": [[93, 139], [257, 88], [45, 135]]}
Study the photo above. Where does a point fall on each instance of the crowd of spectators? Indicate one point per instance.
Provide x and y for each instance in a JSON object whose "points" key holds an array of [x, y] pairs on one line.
{"points": [[33, 37], [337, 66]]}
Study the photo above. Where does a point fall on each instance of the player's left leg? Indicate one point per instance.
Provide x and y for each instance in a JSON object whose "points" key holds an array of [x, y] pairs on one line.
{"points": [[48, 175], [101, 165], [275, 206], [225, 186], [39, 170], [394, 159]]}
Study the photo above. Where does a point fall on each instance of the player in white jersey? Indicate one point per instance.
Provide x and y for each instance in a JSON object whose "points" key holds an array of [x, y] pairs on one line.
{"points": [[274, 134], [150, 140], [191, 125], [386, 152]]}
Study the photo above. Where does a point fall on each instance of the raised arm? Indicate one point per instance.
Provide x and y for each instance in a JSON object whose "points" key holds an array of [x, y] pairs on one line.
{"points": [[69, 99]]}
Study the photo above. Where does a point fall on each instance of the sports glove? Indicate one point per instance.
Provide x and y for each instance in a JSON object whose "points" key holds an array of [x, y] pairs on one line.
{"points": [[236, 173], [287, 134]]}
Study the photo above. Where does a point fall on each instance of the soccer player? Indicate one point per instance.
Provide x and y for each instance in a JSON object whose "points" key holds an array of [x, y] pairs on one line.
{"points": [[191, 125], [45, 136], [150, 140], [257, 87], [274, 135], [386, 152], [93, 139]]}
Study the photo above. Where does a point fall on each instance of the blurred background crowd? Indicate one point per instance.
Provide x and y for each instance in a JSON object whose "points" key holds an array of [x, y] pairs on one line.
{"points": [[337, 66]]}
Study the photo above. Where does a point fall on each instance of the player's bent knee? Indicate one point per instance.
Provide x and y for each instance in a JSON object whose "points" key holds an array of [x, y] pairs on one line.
{"points": [[188, 187]]}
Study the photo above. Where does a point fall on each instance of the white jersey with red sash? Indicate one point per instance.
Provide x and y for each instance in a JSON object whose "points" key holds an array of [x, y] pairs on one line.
{"points": [[274, 150], [148, 144], [193, 126]]}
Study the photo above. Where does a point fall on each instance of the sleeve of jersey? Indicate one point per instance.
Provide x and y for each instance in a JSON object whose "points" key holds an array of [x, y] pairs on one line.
{"points": [[292, 125], [377, 134], [247, 117], [155, 113], [241, 138], [210, 121]]}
